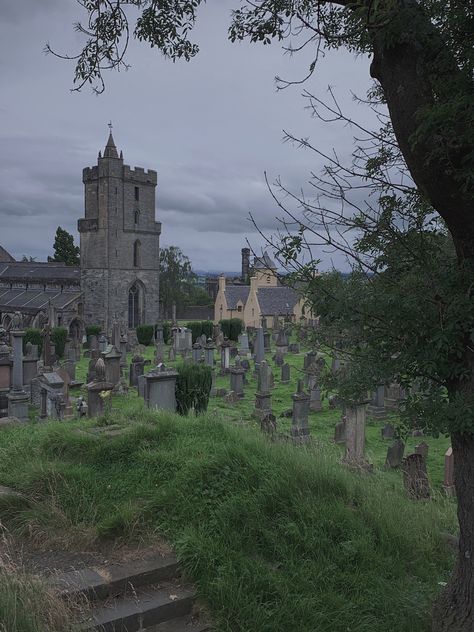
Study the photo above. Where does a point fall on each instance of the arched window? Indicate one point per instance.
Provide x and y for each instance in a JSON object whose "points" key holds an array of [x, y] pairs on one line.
{"points": [[136, 254], [137, 217], [135, 306]]}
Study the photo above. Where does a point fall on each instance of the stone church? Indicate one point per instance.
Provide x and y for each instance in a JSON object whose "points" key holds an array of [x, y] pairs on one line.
{"points": [[119, 274]]}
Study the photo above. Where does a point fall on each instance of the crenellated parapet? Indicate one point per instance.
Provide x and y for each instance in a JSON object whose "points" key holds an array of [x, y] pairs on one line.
{"points": [[90, 174], [139, 175]]}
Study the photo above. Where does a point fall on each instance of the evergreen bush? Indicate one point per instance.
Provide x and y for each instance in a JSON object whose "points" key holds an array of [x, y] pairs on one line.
{"points": [[193, 387], [58, 338], [232, 328], [33, 336], [93, 330], [145, 334], [166, 332], [207, 326]]}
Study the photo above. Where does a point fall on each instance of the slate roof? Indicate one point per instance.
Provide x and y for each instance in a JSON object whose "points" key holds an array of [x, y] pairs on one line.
{"points": [[236, 293], [264, 262], [277, 301], [5, 256], [23, 271], [33, 301]]}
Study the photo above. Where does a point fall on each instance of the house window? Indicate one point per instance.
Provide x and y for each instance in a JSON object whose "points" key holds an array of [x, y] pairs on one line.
{"points": [[136, 254], [137, 194], [239, 308]]}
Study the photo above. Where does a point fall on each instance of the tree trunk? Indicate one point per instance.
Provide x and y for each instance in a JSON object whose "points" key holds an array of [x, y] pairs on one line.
{"points": [[454, 608]]}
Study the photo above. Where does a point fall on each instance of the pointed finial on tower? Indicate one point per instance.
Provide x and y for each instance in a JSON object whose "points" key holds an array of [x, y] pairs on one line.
{"points": [[121, 155], [100, 154], [110, 148]]}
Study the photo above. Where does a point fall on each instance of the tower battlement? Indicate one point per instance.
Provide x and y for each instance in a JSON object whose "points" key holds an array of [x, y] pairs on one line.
{"points": [[89, 174], [138, 174]]}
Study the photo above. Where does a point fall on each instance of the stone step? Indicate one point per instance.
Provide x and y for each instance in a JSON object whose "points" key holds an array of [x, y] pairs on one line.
{"points": [[182, 624], [108, 581], [140, 610]]}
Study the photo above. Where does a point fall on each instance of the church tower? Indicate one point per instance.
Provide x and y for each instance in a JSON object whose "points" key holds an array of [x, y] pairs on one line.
{"points": [[119, 243]]}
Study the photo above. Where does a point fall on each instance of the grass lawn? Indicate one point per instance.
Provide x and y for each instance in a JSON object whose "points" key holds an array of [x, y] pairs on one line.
{"points": [[277, 538]]}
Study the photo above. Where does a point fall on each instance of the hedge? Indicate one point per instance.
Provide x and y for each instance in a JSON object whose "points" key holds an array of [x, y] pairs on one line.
{"points": [[33, 336], [232, 328], [199, 327], [145, 334], [58, 338], [193, 387]]}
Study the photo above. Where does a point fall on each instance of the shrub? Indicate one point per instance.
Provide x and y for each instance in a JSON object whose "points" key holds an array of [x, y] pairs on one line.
{"points": [[58, 338], [232, 328], [145, 334], [207, 326], [33, 336], [166, 332], [193, 387], [93, 330]]}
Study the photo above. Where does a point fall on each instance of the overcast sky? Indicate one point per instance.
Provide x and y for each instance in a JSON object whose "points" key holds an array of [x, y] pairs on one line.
{"points": [[210, 128]]}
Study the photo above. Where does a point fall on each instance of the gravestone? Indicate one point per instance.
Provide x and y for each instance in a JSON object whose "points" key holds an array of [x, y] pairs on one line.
{"points": [[52, 402], [314, 394], [263, 398], [160, 387], [225, 357], [340, 432], [197, 351], [294, 347], [415, 477], [281, 344], [394, 394], [285, 373], [278, 359], [99, 391], [102, 342], [237, 380], [268, 424], [209, 350], [376, 408], [448, 483], [395, 455], [300, 426], [123, 351], [112, 358], [64, 375], [267, 341], [388, 431], [17, 398], [137, 366], [244, 349], [422, 448], [259, 352], [355, 435]]}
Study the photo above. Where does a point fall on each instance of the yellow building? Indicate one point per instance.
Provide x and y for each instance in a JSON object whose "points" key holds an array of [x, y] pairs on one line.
{"points": [[263, 298]]}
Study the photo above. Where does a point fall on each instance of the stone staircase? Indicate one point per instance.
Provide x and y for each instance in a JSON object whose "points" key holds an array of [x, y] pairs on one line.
{"points": [[146, 594]]}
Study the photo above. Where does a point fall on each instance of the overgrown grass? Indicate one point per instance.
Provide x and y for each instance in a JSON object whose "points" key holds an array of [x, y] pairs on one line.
{"points": [[277, 538], [27, 604]]}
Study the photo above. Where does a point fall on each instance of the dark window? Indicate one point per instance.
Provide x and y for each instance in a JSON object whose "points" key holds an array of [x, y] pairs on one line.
{"points": [[136, 254], [137, 194], [137, 217], [134, 309]]}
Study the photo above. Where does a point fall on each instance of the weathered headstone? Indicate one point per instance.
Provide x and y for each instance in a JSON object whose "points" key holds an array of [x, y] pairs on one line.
{"points": [[300, 425], [112, 358], [355, 435], [225, 357], [388, 431], [422, 448], [259, 351], [395, 454], [197, 350], [376, 407], [17, 397], [281, 344], [340, 432], [285, 373], [137, 366], [263, 398], [98, 391], [237, 380], [160, 387], [314, 394], [415, 477], [278, 359]]}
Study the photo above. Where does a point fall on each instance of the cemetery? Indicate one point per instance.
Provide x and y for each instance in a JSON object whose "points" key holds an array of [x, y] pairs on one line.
{"points": [[232, 452]]}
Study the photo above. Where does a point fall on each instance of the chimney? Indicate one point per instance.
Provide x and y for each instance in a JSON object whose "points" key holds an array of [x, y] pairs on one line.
{"points": [[221, 283], [245, 264]]}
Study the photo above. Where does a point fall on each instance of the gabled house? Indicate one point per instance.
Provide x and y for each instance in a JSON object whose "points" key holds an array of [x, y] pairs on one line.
{"points": [[263, 298]]}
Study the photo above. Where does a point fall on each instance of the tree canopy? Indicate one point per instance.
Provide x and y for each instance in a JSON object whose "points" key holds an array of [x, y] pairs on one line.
{"points": [[64, 248]]}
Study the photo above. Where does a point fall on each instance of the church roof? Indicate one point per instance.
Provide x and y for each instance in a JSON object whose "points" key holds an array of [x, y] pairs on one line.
{"points": [[236, 293], [277, 301], [110, 149], [264, 262], [39, 271], [5, 256], [33, 301]]}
